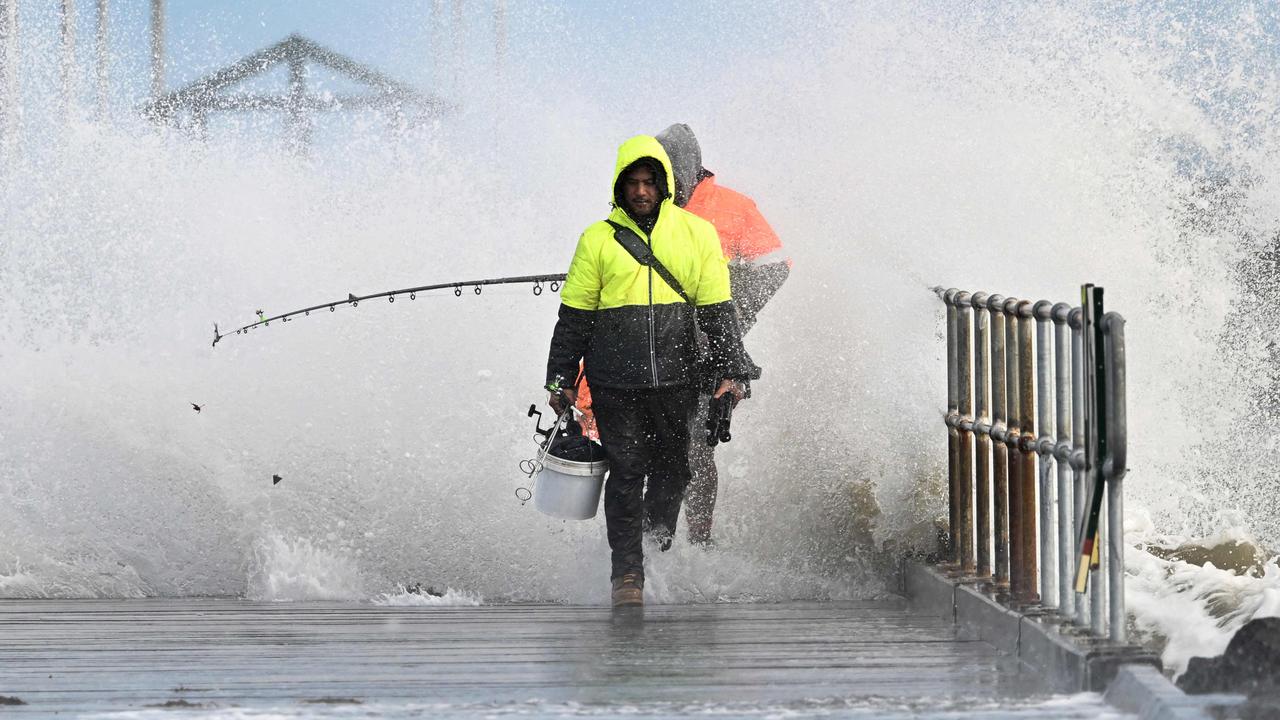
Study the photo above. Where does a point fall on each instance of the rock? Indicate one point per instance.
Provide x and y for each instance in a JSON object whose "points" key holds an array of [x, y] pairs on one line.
{"points": [[1204, 675], [1264, 706], [1251, 663], [1241, 558]]}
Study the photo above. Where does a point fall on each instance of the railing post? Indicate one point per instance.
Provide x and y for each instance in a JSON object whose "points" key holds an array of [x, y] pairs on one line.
{"points": [[1093, 470], [982, 429], [964, 376], [1027, 444], [1027, 382], [953, 434], [1000, 448], [1097, 588], [1113, 468], [1062, 458], [1013, 394], [1076, 320], [1044, 450]]}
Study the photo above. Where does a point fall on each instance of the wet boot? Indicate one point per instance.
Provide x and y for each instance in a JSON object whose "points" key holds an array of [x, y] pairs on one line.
{"points": [[628, 590]]}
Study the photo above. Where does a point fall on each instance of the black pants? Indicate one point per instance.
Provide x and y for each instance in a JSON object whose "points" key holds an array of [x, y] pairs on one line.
{"points": [[644, 432], [700, 498]]}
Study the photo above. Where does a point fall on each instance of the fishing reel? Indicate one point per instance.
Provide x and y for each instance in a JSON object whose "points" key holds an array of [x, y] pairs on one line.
{"points": [[543, 437], [538, 430]]}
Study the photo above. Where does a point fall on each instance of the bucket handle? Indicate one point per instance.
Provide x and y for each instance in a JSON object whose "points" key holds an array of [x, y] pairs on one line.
{"points": [[534, 466]]}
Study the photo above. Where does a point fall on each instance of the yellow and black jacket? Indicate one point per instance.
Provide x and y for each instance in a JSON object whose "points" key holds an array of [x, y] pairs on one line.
{"points": [[633, 329]]}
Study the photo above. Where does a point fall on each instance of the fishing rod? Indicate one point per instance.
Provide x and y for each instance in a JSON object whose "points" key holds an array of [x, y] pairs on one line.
{"points": [[354, 300]]}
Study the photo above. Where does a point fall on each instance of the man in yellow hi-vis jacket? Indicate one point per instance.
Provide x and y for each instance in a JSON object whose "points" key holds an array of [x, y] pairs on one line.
{"points": [[637, 336]]}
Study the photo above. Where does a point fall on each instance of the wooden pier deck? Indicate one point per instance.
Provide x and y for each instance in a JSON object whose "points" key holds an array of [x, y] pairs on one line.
{"points": [[233, 657]]}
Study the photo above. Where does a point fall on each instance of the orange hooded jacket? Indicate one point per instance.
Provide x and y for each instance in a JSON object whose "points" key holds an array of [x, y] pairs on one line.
{"points": [[744, 233]]}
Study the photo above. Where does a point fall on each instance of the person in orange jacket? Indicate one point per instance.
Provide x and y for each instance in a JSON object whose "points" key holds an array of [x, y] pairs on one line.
{"points": [[757, 268]]}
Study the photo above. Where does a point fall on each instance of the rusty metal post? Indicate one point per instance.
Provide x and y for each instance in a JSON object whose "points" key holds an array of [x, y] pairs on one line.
{"points": [[1027, 444], [1018, 393], [953, 433], [964, 375], [1044, 451], [1013, 415], [999, 450], [982, 432], [1062, 459]]}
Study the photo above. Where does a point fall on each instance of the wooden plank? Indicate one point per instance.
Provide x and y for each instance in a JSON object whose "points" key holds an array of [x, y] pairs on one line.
{"points": [[102, 656]]}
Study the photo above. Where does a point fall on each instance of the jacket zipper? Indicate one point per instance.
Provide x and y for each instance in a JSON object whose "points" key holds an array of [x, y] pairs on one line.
{"points": [[653, 348]]}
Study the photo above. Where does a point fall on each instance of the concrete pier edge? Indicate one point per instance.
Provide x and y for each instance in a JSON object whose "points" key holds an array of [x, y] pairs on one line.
{"points": [[1130, 676]]}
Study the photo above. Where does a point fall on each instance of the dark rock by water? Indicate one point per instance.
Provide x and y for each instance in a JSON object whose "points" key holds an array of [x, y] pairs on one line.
{"points": [[1251, 663], [1261, 706]]}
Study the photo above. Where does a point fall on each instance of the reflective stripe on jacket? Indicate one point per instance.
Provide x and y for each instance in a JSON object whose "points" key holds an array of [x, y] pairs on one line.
{"points": [[634, 330]]}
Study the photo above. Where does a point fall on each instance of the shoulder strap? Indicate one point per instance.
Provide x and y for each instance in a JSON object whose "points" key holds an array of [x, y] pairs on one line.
{"points": [[642, 253]]}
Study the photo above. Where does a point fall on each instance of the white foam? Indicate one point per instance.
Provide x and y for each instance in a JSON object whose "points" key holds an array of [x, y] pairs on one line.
{"points": [[1193, 609], [410, 598], [297, 569]]}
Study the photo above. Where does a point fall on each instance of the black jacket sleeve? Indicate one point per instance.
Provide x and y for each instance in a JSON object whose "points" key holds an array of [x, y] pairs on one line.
{"points": [[726, 356], [569, 342], [753, 286]]}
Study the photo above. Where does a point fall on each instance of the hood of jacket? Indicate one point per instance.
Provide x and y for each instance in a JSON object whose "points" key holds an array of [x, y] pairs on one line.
{"points": [[686, 159], [638, 148]]}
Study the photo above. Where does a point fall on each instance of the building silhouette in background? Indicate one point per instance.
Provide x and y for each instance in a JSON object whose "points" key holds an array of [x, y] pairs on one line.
{"points": [[191, 105]]}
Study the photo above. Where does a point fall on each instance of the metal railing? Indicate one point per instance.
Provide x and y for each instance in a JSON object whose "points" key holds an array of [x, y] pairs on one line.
{"points": [[1029, 384]]}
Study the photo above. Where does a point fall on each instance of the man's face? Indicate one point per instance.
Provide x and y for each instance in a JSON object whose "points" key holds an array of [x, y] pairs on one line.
{"points": [[640, 191]]}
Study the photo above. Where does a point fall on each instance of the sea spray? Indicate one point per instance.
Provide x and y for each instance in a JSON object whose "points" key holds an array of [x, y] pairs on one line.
{"points": [[1021, 150]]}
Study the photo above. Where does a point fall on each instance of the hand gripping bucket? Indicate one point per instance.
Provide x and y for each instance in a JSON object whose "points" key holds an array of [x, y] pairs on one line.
{"points": [[569, 490]]}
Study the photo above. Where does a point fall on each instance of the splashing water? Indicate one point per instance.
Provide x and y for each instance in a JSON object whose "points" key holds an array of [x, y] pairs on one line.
{"points": [[403, 597], [893, 147]]}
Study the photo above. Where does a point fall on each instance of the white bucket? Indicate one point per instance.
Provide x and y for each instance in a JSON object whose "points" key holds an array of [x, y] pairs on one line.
{"points": [[569, 490]]}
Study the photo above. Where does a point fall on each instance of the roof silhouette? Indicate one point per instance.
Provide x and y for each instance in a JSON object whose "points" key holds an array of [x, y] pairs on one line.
{"points": [[210, 93]]}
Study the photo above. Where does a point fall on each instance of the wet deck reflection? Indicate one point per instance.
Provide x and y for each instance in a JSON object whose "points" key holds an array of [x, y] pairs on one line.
{"points": [[83, 656]]}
